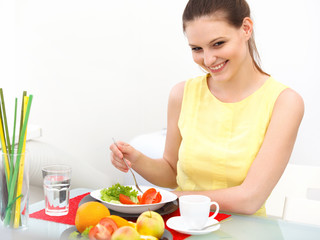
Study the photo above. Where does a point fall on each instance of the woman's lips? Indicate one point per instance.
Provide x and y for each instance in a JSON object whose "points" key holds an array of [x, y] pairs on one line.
{"points": [[218, 67]]}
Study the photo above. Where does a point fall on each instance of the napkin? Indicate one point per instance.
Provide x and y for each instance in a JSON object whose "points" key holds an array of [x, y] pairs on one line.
{"points": [[73, 206]]}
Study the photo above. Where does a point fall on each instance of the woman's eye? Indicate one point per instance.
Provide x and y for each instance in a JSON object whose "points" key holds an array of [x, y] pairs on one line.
{"points": [[217, 44], [195, 49]]}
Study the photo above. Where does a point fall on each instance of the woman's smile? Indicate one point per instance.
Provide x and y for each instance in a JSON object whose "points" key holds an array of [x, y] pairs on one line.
{"points": [[218, 68]]}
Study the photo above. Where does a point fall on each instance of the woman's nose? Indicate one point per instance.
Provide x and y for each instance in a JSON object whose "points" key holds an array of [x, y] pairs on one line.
{"points": [[209, 58]]}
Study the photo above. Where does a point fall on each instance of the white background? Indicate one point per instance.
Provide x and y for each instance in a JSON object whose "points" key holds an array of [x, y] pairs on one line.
{"points": [[100, 69]]}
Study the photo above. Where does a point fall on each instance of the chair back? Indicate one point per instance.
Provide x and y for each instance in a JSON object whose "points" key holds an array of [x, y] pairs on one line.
{"points": [[302, 210], [295, 182]]}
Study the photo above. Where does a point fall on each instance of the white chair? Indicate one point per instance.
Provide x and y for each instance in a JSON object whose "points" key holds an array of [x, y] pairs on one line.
{"points": [[302, 210], [295, 182], [313, 193], [150, 144]]}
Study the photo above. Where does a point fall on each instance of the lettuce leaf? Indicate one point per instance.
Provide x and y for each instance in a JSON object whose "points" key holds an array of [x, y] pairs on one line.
{"points": [[74, 235], [85, 233], [82, 236], [112, 193]]}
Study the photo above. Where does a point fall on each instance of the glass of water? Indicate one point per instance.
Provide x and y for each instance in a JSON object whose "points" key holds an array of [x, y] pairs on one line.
{"points": [[56, 185]]}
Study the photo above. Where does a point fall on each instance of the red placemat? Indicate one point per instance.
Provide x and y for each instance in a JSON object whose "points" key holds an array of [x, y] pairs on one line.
{"points": [[66, 219], [73, 206]]}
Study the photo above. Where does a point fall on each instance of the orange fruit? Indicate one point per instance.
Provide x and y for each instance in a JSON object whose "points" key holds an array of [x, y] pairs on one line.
{"points": [[89, 214], [119, 221]]}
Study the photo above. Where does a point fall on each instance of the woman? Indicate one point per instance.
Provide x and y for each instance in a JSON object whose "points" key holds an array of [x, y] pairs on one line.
{"points": [[231, 132]]}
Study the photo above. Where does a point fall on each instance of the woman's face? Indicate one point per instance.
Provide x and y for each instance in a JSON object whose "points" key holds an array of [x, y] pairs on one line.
{"points": [[218, 47]]}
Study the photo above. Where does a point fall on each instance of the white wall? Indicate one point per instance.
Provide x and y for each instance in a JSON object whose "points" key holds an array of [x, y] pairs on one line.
{"points": [[101, 69]]}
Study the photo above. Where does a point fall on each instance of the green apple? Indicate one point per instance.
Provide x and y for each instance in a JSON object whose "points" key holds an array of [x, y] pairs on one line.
{"points": [[150, 223]]}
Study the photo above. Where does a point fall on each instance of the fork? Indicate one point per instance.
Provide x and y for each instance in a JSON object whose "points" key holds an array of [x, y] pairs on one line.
{"points": [[135, 180]]}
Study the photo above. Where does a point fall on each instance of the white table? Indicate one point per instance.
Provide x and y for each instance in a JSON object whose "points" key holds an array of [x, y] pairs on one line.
{"points": [[239, 228]]}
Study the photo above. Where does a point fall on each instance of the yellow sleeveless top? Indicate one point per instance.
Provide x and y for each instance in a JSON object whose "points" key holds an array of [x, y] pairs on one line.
{"points": [[221, 140]]}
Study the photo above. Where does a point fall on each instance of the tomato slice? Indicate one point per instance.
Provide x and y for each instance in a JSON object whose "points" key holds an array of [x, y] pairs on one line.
{"points": [[139, 198], [99, 232], [125, 199], [92, 233], [157, 198], [109, 224], [148, 196]]}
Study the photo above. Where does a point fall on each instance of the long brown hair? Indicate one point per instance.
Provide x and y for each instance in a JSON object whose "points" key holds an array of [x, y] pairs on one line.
{"points": [[234, 12]]}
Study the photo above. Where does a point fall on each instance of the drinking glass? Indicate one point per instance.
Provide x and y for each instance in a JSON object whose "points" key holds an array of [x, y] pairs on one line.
{"points": [[14, 189], [56, 185]]}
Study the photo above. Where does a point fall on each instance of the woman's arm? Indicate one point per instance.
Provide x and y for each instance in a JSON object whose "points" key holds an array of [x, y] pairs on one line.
{"points": [[270, 162]]}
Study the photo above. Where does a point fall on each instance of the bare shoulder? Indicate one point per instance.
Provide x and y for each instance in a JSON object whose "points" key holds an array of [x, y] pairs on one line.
{"points": [[178, 89], [176, 93], [290, 101]]}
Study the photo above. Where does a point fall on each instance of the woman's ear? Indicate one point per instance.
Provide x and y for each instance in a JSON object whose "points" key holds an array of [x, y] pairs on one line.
{"points": [[247, 27]]}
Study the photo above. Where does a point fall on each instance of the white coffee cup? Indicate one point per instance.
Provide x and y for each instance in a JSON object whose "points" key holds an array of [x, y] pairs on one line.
{"points": [[195, 209]]}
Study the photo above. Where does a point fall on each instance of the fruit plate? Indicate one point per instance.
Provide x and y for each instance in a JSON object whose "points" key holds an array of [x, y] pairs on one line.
{"points": [[139, 208], [65, 234]]}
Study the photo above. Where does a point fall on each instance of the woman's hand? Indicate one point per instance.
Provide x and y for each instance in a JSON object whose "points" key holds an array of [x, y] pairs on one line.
{"points": [[123, 151]]}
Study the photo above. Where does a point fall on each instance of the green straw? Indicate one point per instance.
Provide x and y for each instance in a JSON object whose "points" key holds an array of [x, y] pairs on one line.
{"points": [[2, 128], [13, 137], [5, 120], [4, 150], [21, 116], [13, 181]]}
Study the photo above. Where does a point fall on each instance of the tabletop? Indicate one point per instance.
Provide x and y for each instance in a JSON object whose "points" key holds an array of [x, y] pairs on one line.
{"points": [[240, 227]]}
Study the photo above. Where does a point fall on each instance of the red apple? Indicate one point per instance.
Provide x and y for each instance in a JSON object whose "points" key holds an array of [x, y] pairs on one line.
{"points": [[150, 223]]}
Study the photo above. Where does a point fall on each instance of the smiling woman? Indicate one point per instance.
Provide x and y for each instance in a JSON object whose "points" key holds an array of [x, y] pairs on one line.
{"points": [[231, 132]]}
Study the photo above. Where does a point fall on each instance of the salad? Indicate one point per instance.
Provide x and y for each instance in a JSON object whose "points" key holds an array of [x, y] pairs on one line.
{"points": [[120, 194]]}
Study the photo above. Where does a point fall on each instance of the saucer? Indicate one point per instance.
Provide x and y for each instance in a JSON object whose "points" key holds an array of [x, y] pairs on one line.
{"points": [[177, 224]]}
